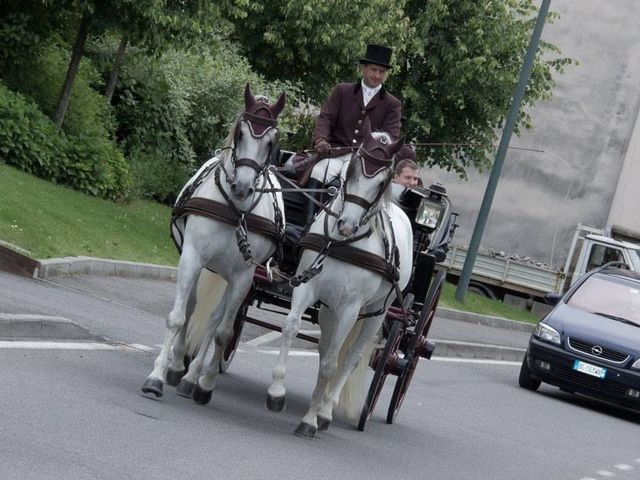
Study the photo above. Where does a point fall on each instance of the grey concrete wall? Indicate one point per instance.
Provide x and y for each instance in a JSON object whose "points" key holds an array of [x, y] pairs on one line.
{"points": [[584, 131], [624, 215]]}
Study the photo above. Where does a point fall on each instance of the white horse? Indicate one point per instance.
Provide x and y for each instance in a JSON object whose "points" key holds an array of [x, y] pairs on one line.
{"points": [[231, 225], [354, 298]]}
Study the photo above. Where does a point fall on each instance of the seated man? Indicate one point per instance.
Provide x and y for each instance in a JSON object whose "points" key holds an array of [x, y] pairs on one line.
{"points": [[407, 173]]}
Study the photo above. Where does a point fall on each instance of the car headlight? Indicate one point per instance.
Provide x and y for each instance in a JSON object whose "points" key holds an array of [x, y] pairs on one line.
{"points": [[547, 333], [429, 213], [636, 364]]}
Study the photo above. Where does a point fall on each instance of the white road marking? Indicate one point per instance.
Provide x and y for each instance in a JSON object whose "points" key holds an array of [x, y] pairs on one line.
{"points": [[59, 345], [624, 466], [314, 353], [606, 473], [262, 339], [637, 460], [275, 335], [292, 353], [475, 360], [587, 478], [139, 346]]}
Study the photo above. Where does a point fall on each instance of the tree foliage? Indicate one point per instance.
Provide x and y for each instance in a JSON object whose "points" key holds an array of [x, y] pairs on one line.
{"points": [[456, 65], [460, 73], [457, 62], [318, 42]]}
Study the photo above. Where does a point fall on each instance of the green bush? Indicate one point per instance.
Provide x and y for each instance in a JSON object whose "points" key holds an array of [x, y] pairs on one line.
{"points": [[40, 78], [30, 142], [176, 110]]}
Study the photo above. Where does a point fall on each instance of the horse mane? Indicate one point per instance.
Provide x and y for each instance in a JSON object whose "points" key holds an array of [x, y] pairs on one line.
{"points": [[228, 143]]}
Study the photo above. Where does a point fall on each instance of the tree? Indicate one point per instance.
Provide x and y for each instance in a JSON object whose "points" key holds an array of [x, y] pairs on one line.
{"points": [[151, 23], [318, 42], [460, 72]]}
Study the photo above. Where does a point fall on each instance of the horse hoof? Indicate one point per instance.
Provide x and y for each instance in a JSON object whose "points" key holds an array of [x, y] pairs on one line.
{"points": [[201, 395], [174, 376], [185, 388], [276, 404], [152, 385], [305, 430], [323, 424]]}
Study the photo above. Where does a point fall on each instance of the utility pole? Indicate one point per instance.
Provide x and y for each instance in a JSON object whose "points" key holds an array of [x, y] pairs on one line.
{"points": [[509, 125]]}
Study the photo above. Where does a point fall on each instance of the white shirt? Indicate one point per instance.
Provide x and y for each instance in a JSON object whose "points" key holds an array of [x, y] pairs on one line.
{"points": [[368, 93]]}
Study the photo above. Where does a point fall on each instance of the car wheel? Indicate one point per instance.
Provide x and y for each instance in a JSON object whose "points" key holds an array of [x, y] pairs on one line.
{"points": [[525, 380]]}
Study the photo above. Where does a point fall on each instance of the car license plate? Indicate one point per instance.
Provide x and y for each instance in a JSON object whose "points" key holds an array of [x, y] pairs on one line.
{"points": [[589, 369]]}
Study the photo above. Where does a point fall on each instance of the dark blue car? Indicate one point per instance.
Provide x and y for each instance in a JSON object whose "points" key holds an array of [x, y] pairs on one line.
{"points": [[590, 342]]}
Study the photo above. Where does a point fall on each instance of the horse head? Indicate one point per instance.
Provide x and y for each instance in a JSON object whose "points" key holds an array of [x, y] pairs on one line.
{"points": [[368, 177], [255, 139]]}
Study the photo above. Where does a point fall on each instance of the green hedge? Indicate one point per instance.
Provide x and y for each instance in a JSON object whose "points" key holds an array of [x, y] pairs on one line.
{"points": [[31, 142]]}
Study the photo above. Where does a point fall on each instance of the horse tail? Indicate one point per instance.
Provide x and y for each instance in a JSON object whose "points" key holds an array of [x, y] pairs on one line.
{"points": [[354, 391], [209, 290]]}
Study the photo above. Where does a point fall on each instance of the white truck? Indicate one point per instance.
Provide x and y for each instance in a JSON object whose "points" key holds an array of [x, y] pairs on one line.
{"points": [[495, 276]]}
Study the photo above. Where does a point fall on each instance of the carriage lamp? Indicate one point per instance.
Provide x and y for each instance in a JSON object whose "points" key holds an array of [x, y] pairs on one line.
{"points": [[429, 213]]}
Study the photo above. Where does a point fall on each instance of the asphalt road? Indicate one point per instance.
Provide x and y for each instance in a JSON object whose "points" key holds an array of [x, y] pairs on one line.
{"points": [[79, 414]]}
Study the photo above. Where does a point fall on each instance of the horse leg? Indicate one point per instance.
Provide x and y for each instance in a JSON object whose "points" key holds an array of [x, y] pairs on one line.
{"points": [[327, 368], [302, 298], [188, 382], [188, 270], [237, 290], [347, 364], [177, 368]]}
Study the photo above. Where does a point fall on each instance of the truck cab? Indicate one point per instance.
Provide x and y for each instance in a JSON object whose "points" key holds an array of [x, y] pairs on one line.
{"points": [[594, 250]]}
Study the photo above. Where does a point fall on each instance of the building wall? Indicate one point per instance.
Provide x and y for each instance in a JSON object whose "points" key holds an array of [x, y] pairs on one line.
{"points": [[584, 132], [624, 215]]}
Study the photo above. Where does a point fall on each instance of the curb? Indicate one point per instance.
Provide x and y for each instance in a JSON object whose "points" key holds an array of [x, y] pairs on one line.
{"points": [[479, 351], [97, 266], [486, 320]]}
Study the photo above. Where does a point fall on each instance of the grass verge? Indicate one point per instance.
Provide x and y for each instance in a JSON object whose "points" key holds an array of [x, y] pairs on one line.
{"points": [[52, 221], [485, 306]]}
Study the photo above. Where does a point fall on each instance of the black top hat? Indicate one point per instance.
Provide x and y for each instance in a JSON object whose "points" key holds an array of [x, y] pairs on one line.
{"points": [[378, 54]]}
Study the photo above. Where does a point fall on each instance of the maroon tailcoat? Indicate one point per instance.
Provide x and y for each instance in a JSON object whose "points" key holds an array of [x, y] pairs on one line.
{"points": [[343, 113]]}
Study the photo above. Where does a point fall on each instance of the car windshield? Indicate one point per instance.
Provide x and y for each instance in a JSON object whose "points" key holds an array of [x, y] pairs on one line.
{"points": [[613, 297]]}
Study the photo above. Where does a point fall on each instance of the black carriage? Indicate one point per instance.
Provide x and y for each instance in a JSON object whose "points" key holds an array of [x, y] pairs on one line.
{"points": [[407, 323]]}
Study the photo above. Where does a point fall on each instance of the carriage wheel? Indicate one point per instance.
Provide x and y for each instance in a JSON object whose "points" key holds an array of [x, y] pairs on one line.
{"points": [[232, 346], [382, 362], [418, 346]]}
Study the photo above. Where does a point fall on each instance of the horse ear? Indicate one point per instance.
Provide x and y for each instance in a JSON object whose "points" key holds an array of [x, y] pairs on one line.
{"points": [[395, 147], [249, 100], [277, 108]]}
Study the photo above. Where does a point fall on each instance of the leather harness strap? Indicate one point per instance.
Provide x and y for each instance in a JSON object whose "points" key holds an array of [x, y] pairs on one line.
{"points": [[352, 255], [224, 213]]}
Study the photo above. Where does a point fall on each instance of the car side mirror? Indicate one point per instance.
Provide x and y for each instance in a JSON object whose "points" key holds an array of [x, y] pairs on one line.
{"points": [[552, 298]]}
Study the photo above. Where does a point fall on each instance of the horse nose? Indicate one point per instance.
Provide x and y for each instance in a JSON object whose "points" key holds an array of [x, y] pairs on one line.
{"points": [[241, 192], [345, 229]]}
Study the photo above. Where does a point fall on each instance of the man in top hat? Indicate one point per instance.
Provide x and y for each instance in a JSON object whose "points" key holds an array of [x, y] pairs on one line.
{"points": [[338, 129], [340, 121]]}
